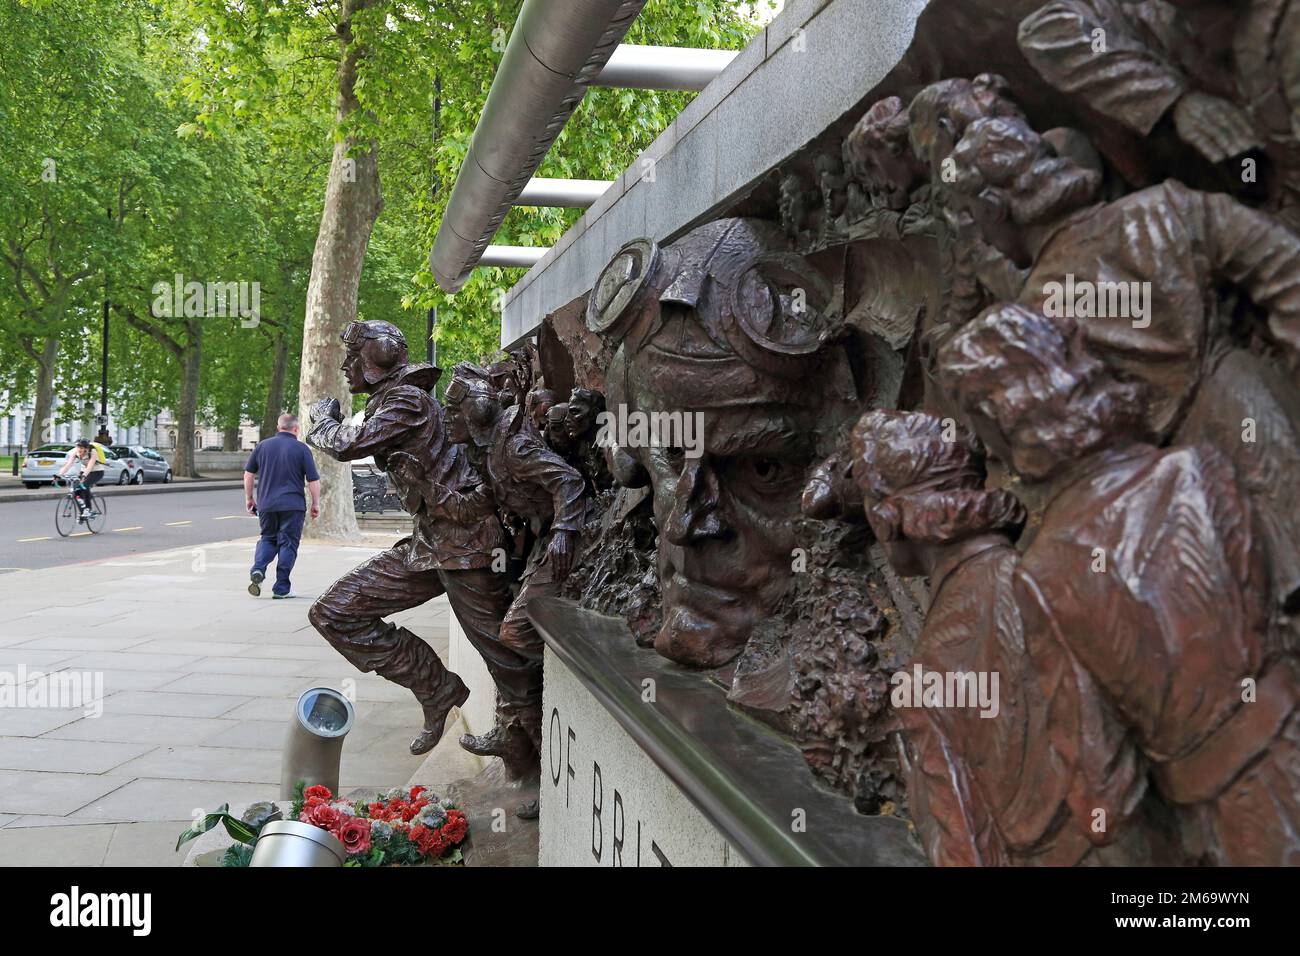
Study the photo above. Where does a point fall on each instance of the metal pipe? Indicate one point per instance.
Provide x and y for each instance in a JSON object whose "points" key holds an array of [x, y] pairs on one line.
{"points": [[554, 52], [572, 193], [512, 257], [662, 68]]}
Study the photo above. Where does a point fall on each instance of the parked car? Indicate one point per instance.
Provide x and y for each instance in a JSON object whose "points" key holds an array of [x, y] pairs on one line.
{"points": [[40, 466], [143, 464]]}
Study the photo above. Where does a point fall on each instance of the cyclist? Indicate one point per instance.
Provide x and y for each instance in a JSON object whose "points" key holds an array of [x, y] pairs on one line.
{"points": [[90, 460]]}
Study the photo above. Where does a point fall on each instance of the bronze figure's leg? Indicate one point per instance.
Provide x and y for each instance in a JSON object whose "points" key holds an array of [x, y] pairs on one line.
{"points": [[350, 615], [481, 599], [519, 636]]}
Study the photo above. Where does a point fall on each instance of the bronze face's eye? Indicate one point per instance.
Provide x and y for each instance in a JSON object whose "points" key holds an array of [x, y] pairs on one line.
{"points": [[764, 472]]}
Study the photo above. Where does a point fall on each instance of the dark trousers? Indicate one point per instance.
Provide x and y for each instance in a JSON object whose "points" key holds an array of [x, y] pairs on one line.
{"points": [[84, 485], [281, 532], [350, 615]]}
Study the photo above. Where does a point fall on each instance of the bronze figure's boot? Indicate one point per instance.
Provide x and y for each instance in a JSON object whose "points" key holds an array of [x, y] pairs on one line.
{"points": [[491, 744], [451, 693]]}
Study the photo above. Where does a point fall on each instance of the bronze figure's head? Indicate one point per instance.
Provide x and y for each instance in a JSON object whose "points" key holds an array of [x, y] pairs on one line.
{"points": [[941, 112], [584, 406], [730, 360], [877, 152], [1033, 392], [471, 405], [374, 351], [1008, 177], [922, 484]]}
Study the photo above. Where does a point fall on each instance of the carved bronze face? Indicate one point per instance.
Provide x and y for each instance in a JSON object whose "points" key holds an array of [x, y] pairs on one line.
{"points": [[726, 337], [374, 350], [940, 113], [1007, 177], [353, 373], [469, 405], [580, 416], [878, 154], [556, 428]]}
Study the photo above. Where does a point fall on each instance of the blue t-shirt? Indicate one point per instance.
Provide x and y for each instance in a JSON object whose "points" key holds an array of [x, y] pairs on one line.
{"points": [[282, 464]]}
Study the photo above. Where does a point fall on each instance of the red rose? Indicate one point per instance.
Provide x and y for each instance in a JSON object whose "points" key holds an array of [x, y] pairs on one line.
{"points": [[355, 835], [416, 791], [321, 815], [317, 792]]}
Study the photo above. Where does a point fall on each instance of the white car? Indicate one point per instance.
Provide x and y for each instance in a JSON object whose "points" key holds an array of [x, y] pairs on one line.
{"points": [[142, 464], [40, 466]]}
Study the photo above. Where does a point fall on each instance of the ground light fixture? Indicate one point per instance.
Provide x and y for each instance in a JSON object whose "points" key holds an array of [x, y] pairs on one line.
{"points": [[314, 744]]}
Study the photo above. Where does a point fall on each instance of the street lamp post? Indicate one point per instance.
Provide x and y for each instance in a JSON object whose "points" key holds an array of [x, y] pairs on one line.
{"points": [[104, 438]]}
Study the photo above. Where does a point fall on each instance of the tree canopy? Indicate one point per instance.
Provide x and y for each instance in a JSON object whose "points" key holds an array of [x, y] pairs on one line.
{"points": [[149, 139]]}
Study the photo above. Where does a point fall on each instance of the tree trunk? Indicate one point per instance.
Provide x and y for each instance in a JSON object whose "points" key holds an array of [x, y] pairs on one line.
{"points": [[41, 429], [352, 204], [275, 390], [230, 438], [187, 410]]}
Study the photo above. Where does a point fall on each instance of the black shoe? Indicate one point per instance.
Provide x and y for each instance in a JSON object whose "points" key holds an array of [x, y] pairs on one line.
{"points": [[491, 744], [529, 811], [256, 578]]}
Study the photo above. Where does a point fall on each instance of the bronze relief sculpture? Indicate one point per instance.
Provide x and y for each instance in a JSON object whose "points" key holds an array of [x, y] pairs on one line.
{"points": [[1074, 465], [990, 388]]}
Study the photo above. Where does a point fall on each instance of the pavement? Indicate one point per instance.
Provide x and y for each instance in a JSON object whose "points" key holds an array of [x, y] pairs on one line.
{"points": [[199, 681], [12, 488]]}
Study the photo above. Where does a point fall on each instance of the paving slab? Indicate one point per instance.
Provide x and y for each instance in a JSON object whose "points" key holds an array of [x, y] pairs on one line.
{"points": [[32, 722], [170, 704], [236, 765], [144, 844], [67, 756], [56, 793], [243, 685], [142, 729], [148, 800], [60, 846]]}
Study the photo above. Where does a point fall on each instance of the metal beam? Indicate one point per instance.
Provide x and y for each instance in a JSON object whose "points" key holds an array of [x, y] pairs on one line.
{"points": [[554, 52], [572, 193], [662, 68], [512, 257]]}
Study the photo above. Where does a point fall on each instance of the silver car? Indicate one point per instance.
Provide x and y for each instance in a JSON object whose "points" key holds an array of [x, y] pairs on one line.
{"points": [[40, 466], [143, 464]]}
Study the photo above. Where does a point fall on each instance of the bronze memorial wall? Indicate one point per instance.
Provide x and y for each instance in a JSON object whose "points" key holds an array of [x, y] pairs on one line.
{"points": [[962, 452]]}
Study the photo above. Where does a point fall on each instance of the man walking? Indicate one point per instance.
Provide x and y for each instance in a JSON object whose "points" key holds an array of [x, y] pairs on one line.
{"points": [[281, 464]]}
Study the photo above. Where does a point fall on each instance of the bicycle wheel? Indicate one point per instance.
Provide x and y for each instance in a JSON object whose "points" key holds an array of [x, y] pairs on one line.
{"points": [[98, 513], [65, 515]]}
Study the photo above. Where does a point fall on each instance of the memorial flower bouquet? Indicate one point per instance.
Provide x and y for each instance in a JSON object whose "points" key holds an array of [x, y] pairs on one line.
{"points": [[401, 828]]}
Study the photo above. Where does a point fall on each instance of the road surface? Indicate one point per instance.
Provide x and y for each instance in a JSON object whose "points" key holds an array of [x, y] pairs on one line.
{"points": [[135, 524]]}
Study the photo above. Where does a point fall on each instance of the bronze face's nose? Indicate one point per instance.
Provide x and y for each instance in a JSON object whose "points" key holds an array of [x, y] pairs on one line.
{"points": [[696, 513]]}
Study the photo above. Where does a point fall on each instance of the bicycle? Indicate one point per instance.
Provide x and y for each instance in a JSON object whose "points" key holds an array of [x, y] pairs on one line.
{"points": [[67, 512]]}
